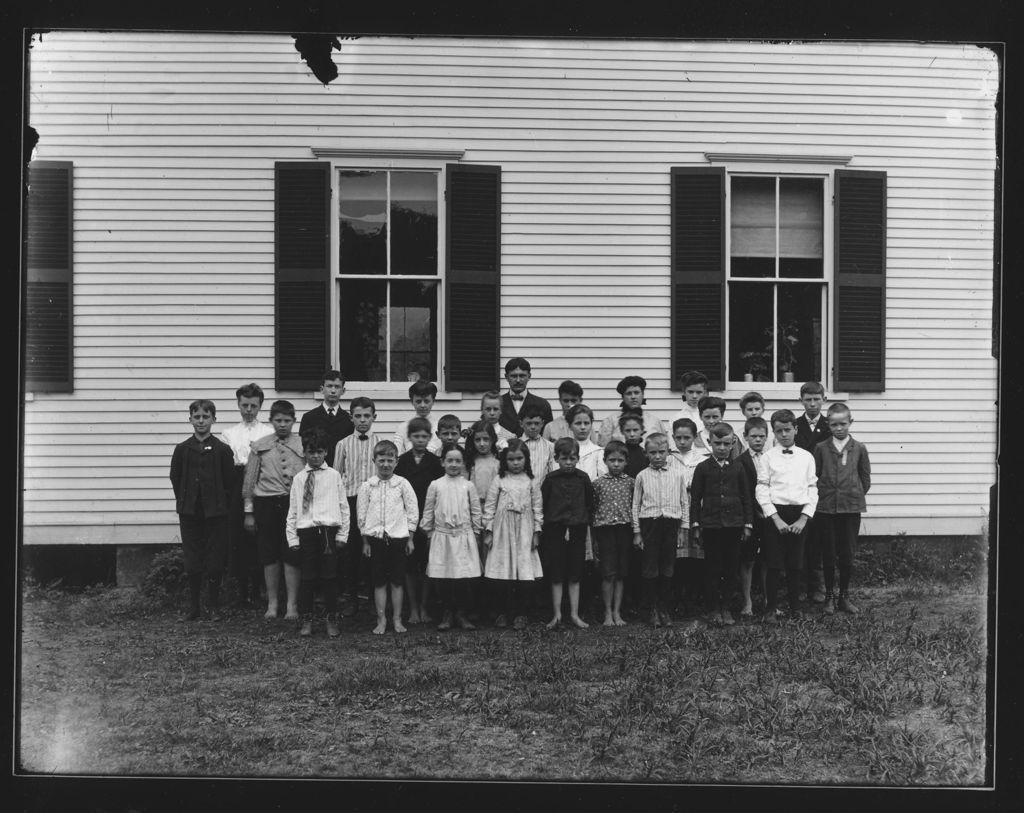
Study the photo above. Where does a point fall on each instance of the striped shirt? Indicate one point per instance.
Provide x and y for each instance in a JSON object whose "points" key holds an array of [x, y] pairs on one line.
{"points": [[329, 507], [387, 507], [542, 457], [353, 458], [660, 493]]}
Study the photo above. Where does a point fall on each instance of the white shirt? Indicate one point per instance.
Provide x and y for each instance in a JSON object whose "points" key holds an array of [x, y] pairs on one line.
{"points": [[239, 436], [688, 412], [542, 457], [787, 479], [840, 444], [592, 460], [329, 507], [387, 507], [517, 404]]}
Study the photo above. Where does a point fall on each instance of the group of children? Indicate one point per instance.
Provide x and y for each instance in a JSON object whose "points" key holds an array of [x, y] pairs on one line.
{"points": [[521, 498]]}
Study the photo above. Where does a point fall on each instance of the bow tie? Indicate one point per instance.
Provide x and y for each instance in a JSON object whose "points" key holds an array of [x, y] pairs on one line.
{"points": [[363, 437], [787, 451], [517, 397]]}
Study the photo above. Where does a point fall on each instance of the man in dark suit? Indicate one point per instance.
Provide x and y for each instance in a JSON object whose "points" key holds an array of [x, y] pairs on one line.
{"points": [[517, 373]]}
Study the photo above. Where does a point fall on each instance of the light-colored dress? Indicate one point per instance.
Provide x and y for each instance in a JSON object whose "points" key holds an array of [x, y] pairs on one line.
{"points": [[452, 516], [513, 512]]}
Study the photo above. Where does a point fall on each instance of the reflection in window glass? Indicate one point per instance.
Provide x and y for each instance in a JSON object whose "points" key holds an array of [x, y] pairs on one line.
{"points": [[750, 331], [413, 315], [799, 340], [363, 330], [752, 229], [362, 222], [801, 228], [413, 223]]}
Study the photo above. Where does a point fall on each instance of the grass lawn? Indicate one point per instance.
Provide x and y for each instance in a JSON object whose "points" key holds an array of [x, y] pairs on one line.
{"points": [[113, 682]]}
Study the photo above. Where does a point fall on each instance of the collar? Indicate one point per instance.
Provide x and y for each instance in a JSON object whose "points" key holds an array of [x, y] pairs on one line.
{"points": [[812, 421], [374, 480], [517, 397], [336, 408], [322, 467], [721, 463], [840, 445]]}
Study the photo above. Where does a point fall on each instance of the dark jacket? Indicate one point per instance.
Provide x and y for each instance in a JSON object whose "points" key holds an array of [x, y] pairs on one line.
{"points": [[750, 470], [510, 419], [806, 438], [202, 472], [568, 497], [337, 427], [421, 475], [841, 489], [720, 497]]}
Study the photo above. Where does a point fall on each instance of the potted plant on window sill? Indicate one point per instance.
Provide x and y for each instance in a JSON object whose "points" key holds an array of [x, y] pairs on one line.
{"points": [[757, 364], [788, 340]]}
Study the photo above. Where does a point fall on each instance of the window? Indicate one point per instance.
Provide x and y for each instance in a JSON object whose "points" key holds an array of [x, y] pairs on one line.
{"points": [[409, 286], [389, 282], [779, 275], [777, 292]]}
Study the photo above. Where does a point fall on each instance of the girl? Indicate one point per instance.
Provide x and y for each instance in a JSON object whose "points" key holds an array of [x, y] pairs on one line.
{"points": [[631, 389], [452, 517], [513, 513], [482, 469]]}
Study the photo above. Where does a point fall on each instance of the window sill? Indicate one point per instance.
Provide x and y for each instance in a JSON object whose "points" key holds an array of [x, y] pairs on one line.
{"points": [[774, 391], [374, 391]]}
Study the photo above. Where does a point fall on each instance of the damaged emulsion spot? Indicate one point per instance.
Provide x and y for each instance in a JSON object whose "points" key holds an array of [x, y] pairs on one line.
{"points": [[316, 52]]}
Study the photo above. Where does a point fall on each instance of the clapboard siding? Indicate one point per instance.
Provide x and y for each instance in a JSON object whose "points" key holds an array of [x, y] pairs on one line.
{"points": [[174, 137]]}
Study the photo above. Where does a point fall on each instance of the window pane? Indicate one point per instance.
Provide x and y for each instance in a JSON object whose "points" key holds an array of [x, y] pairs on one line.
{"points": [[413, 223], [414, 330], [750, 331], [362, 222], [800, 311], [363, 329], [752, 227], [801, 227]]}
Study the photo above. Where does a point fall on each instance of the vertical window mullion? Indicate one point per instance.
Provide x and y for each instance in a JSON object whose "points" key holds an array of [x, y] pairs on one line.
{"points": [[387, 283]]}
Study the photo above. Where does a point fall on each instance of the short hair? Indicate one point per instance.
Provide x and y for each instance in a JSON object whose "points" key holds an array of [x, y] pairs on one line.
{"points": [[750, 398], [519, 362], [422, 388], [782, 416], [616, 447], [631, 381], [362, 402], [282, 407], [449, 421], [711, 402], [576, 409], [514, 445], [812, 388], [202, 403], [684, 422], [721, 430], [570, 388], [838, 408], [315, 438], [490, 395], [251, 390], [754, 423], [688, 379], [417, 424], [656, 437], [531, 411], [630, 416], [565, 446], [453, 447], [330, 375], [385, 447]]}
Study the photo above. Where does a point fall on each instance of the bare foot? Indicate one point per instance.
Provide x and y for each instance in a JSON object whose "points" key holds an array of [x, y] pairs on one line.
{"points": [[271, 612], [553, 623], [381, 626], [609, 621], [425, 618], [579, 622], [414, 618], [292, 614], [619, 620], [399, 626]]}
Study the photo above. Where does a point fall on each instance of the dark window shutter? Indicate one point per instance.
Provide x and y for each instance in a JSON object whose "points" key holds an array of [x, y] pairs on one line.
{"points": [[302, 273], [48, 340], [472, 277], [698, 274], [860, 219]]}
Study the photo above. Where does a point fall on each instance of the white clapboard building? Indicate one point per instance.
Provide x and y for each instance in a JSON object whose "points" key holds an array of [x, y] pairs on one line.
{"points": [[204, 212]]}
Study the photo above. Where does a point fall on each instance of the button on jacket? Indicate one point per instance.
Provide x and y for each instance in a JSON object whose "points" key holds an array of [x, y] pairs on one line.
{"points": [[568, 497], [720, 496], [200, 472], [841, 488]]}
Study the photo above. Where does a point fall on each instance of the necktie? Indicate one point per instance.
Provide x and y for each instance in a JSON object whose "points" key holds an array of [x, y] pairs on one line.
{"points": [[517, 397], [307, 492], [363, 437], [787, 451], [330, 412]]}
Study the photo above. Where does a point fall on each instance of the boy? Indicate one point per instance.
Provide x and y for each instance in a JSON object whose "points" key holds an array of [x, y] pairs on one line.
{"points": [[695, 387], [202, 471], [721, 518], [752, 406], [631, 426], [511, 403], [542, 452], [329, 415], [689, 576], [353, 460], [712, 410], [612, 529], [318, 521], [755, 433], [241, 550], [568, 497], [569, 394], [660, 506], [420, 466], [388, 514], [844, 478], [812, 429], [490, 411], [449, 432], [273, 463], [421, 395], [787, 492]]}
